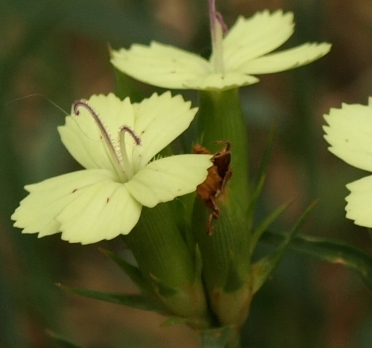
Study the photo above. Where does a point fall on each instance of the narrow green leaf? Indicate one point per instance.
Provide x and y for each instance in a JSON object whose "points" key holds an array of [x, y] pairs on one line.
{"points": [[62, 342], [131, 271], [265, 224], [262, 269], [261, 176], [266, 156], [137, 301], [256, 193], [328, 250]]}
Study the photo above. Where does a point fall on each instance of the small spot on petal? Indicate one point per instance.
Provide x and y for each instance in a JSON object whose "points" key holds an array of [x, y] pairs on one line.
{"points": [[74, 190]]}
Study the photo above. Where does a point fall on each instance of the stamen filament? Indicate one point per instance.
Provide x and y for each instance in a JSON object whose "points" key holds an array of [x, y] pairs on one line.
{"points": [[115, 158]]}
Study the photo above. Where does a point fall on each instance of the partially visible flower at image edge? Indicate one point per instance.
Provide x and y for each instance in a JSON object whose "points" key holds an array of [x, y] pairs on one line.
{"points": [[236, 57], [116, 142], [349, 132]]}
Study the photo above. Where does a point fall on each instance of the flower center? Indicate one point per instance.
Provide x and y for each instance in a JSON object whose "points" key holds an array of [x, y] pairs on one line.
{"points": [[117, 150], [218, 29]]}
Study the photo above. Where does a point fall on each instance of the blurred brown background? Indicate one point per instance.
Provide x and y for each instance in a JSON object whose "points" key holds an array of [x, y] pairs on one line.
{"points": [[53, 52]]}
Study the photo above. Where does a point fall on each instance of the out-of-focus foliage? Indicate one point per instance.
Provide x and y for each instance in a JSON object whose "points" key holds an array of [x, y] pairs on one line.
{"points": [[57, 51]]}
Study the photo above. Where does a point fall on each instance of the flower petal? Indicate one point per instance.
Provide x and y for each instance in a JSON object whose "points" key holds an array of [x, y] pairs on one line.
{"points": [[159, 120], [81, 134], [109, 211], [287, 59], [170, 67], [359, 207], [220, 82], [160, 65], [253, 37], [349, 132], [86, 206], [164, 179]]}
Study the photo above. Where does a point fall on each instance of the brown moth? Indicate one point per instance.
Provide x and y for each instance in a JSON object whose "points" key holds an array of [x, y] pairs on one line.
{"points": [[215, 183]]}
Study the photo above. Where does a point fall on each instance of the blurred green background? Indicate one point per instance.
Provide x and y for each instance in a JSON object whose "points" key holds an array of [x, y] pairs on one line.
{"points": [[54, 52]]}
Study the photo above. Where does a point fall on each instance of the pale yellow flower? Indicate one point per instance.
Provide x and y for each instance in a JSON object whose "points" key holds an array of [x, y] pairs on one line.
{"points": [[349, 132], [244, 51], [116, 142]]}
